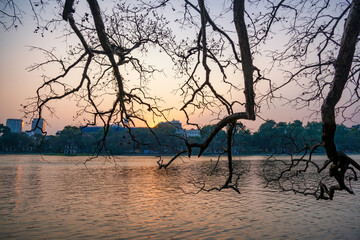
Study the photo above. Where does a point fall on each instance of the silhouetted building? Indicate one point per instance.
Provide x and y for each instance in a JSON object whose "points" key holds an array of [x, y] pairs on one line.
{"points": [[356, 127], [40, 128], [179, 130], [70, 148], [192, 133], [90, 129], [15, 125], [174, 123], [95, 129]]}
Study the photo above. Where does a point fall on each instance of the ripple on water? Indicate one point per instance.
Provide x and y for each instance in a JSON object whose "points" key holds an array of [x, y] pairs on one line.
{"points": [[58, 199]]}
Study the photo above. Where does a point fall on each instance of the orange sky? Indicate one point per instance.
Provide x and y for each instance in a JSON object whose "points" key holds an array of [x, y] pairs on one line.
{"points": [[17, 84]]}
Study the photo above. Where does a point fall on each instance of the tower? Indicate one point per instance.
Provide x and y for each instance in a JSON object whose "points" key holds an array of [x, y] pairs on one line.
{"points": [[15, 125], [40, 128]]}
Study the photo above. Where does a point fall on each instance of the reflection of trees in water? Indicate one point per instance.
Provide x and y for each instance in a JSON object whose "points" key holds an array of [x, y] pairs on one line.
{"points": [[208, 175], [302, 174]]}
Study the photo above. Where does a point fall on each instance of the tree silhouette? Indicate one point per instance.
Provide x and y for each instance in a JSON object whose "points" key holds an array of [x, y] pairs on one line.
{"points": [[330, 74]]}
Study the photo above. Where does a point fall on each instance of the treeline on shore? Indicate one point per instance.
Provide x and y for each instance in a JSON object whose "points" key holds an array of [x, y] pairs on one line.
{"points": [[271, 137]]}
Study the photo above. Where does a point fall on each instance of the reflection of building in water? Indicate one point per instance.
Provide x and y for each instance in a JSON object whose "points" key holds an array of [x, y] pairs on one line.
{"points": [[40, 128], [18, 188], [18, 180], [15, 125]]}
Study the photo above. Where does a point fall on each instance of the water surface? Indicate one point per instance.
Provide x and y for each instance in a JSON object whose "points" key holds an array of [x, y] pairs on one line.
{"points": [[55, 198]]}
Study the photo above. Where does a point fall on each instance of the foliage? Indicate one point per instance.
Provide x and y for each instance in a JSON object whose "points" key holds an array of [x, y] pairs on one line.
{"points": [[272, 137]]}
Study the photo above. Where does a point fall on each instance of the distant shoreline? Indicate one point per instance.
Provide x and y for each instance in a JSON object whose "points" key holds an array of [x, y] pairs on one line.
{"points": [[163, 155]]}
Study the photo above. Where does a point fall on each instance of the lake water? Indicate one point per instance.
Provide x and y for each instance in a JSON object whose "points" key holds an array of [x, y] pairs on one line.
{"points": [[55, 198]]}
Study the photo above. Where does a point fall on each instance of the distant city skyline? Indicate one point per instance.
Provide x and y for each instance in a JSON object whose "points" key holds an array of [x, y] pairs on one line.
{"points": [[17, 125]]}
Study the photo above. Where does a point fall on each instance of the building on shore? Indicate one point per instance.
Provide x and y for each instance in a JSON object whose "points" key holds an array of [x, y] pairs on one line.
{"points": [[40, 128], [192, 133], [356, 127], [179, 130], [174, 123], [95, 129], [15, 125], [70, 148]]}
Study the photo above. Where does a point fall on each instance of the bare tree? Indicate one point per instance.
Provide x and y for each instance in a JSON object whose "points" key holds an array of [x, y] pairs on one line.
{"points": [[109, 48], [340, 163], [317, 35], [11, 14], [207, 54]]}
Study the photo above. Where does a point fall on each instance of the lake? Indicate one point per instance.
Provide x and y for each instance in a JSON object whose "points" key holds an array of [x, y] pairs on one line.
{"points": [[58, 197]]}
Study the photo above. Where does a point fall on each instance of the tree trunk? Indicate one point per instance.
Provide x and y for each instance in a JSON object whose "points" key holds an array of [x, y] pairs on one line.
{"points": [[342, 69], [246, 59]]}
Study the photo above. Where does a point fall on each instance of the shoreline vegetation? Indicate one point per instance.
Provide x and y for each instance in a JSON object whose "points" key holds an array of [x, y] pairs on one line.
{"points": [[162, 155], [271, 138], [158, 155]]}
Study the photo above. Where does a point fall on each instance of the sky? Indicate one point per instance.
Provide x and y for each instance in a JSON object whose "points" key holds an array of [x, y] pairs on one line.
{"points": [[17, 84]]}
